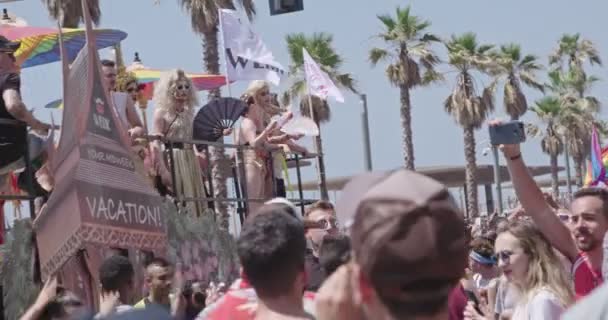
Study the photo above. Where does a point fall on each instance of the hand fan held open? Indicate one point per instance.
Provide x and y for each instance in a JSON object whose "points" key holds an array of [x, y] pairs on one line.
{"points": [[216, 116], [301, 125]]}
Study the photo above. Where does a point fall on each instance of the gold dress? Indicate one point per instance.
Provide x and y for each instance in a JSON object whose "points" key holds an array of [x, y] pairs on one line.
{"points": [[188, 173]]}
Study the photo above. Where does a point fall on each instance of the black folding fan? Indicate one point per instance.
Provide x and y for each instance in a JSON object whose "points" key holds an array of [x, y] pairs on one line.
{"points": [[215, 116]]}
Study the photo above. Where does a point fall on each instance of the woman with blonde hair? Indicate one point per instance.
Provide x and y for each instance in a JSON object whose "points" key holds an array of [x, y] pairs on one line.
{"points": [[529, 262], [254, 132], [174, 103]]}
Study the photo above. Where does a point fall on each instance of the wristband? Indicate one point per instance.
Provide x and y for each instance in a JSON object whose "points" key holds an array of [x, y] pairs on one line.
{"points": [[515, 157]]}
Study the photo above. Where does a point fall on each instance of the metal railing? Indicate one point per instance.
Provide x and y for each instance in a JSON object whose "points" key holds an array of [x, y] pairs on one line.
{"points": [[27, 162], [238, 170]]}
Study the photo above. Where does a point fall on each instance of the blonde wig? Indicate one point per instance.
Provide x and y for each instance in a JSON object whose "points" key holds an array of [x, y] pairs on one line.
{"points": [[255, 87], [165, 88], [544, 268]]}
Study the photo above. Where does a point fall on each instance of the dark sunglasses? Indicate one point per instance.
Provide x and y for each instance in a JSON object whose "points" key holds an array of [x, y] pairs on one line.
{"points": [[183, 87]]}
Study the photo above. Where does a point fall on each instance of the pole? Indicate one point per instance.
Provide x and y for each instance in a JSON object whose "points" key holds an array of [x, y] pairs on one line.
{"points": [[367, 152], [568, 174], [497, 180]]}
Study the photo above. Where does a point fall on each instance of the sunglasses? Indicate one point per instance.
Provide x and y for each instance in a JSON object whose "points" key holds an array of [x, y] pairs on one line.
{"points": [[564, 217], [327, 224], [183, 87], [131, 90], [264, 93]]}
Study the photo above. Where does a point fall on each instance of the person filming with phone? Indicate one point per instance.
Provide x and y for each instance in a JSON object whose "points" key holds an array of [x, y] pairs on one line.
{"points": [[589, 219]]}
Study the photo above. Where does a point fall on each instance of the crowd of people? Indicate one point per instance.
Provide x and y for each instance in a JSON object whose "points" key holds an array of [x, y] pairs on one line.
{"points": [[395, 246]]}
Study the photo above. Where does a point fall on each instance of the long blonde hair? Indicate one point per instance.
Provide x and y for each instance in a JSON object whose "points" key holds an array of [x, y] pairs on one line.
{"points": [[545, 270], [253, 90], [164, 88]]}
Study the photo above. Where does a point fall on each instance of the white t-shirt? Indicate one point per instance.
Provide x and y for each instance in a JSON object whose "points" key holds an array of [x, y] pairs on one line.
{"points": [[543, 305]]}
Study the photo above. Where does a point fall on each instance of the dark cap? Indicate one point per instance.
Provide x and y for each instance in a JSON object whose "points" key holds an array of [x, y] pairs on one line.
{"points": [[7, 45], [407, 229], [351, 194]]}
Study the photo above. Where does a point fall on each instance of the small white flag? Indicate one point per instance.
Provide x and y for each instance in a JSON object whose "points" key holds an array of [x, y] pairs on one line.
{"points": [[247, 57], [318, 82]]}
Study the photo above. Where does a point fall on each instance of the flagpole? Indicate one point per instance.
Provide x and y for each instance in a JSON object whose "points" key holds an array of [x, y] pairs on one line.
{"points": [[224, 52]]}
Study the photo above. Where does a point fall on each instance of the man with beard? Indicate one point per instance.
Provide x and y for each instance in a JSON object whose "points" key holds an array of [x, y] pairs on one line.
{"points": [[589, 209]]}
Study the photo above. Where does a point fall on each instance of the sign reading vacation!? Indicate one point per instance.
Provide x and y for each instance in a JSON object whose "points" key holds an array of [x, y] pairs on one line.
{"points": [[101, 198]]}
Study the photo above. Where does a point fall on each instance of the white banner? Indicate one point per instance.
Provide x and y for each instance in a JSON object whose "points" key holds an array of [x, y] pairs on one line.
{"points": [[318, 82], [247, 57]]}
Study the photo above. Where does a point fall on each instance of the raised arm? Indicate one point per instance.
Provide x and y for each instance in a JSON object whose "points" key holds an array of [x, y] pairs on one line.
{"points": [[533, 201]]}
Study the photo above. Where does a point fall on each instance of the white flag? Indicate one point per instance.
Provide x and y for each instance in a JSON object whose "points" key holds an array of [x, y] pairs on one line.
{"points": [[318, 82], [247, 57]]}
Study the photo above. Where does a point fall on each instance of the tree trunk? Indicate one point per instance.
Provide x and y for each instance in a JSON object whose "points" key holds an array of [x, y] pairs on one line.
{"points": [[321, 165], [471, 171], [406, 127], [218, 157], [578, 170], [554, 176]]}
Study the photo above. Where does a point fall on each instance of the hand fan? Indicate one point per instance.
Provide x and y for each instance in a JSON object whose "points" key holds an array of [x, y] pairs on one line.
{"points": [[301, 125], [215, 116]]}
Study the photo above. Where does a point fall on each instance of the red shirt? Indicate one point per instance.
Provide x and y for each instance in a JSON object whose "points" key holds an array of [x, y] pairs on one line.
{"points": [[585, 277], [457, 302], [239, 304]]}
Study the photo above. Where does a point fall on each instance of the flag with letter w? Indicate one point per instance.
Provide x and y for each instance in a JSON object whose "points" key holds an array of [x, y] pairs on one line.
{"points": [[247, 57], [318, 82]]}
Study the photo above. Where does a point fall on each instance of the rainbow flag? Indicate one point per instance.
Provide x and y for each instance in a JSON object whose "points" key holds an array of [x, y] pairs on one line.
{"points": [[596, 167]]}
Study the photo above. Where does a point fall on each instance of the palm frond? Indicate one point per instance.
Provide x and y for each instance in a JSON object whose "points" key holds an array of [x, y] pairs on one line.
{"points": [[377, 55]]}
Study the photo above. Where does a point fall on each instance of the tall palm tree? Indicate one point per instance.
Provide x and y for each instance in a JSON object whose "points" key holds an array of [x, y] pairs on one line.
{"points": [[205, 22], [411, 63], [514, 69], [568, 58], [320, 47], [69, 12], [550, 111], [469, 109], [580, 117]]}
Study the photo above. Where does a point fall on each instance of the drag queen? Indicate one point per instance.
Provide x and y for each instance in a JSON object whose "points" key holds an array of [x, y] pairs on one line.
{"points": [[174, 103]]}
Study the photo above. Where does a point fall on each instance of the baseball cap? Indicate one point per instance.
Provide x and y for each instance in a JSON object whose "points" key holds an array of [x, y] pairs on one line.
{"points": [[408, 235], [7, 45], [351, 194]]}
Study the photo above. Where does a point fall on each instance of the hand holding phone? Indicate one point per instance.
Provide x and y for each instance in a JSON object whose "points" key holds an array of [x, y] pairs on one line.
{"points": [[507, 133]]}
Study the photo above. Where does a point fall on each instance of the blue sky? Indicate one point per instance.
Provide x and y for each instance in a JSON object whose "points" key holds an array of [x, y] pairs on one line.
{"points": [[161, 33]]}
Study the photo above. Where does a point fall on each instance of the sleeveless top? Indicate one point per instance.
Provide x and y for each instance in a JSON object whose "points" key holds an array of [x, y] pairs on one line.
{"points": [[585, 277]]}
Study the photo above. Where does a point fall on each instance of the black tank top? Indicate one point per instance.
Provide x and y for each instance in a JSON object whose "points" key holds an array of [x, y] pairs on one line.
{"points": [[8, 81]]}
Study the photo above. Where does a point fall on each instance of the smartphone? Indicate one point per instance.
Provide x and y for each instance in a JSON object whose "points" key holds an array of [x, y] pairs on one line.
{"points": [[512, 132], [473, 298]]}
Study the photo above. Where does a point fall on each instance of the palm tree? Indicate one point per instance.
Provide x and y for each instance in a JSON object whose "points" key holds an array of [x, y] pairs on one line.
{"points": [[205, 22], [411, 63], [319, 45], [69, 12], [550, 111], [514, 69], [468, 108], [573, 51], [569, 86]]}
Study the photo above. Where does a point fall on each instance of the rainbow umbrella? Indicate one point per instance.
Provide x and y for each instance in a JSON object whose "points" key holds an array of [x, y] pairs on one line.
{"points": [[41, 45], [147, 77]]}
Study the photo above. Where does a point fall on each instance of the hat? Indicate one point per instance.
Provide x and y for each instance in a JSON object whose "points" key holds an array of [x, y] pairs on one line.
{"points": [[7, 45], [408, 228], [351, 194]]}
